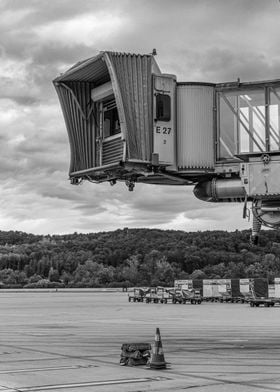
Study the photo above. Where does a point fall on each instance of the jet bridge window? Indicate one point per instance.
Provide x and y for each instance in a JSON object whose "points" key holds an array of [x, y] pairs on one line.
{"points": [[111, 123], [274, 118], [163, 107], [242, 123]]}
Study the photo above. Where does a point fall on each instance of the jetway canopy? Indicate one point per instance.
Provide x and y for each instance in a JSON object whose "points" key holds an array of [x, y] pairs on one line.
{"points": [[127, 101]]}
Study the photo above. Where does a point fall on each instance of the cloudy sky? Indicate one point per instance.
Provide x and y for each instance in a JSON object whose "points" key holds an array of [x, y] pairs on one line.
{"points": [[198, 40]]}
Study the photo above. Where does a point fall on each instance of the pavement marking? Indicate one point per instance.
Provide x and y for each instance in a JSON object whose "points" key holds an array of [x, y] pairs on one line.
{"points": [[225, 381], [40, 388], [45, 369], [233, 340]]}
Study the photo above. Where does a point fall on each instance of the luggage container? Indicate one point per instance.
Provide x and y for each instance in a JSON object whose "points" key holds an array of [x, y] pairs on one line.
{"points": [[211, 290], [198, 286], [245, 289], [215, 290], [277, 287], [224, 288], [271, 291], [208, 290], [185, 284]]}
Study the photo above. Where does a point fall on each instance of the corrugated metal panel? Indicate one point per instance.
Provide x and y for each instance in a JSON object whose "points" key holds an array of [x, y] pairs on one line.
{"points": [[134, 77], [195, 129], [112, 151], [131, 77], [92, 70], [80, 123], [74, 91]]}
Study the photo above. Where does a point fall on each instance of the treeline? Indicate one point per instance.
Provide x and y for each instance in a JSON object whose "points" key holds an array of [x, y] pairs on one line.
{"points": [[131, 257]]}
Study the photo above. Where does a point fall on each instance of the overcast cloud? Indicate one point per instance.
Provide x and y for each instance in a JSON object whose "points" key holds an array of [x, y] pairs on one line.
{"points": [[198, 40]]}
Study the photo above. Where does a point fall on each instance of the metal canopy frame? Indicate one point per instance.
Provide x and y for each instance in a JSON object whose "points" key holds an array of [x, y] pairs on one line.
{"points": [[271, 134]]}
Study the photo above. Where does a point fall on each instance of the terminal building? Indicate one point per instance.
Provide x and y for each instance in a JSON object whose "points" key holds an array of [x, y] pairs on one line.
{"points": [[127, 121]]}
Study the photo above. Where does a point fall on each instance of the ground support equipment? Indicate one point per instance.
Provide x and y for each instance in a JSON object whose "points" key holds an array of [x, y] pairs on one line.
{"points": [[267, 302], [138, 295], [232, 300], [135, 354]]}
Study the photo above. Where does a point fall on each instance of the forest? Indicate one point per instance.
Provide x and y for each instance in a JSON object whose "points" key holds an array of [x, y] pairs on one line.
{"points": [[134, 257]]}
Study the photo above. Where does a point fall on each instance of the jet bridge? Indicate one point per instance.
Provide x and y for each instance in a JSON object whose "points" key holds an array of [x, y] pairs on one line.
{"points": [[127, 121]]}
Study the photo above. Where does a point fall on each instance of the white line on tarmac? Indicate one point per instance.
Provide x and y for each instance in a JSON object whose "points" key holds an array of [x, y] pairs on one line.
{"points": [[233, 340], [45, 369], [83, 384]]}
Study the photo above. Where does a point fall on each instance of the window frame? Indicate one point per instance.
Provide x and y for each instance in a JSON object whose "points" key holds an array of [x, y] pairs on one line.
{"points": [[110, 102], [165, 117], [267, 88]]}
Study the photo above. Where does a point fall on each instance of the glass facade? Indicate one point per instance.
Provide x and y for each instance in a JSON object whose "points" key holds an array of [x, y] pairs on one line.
{"points": [[274, 118], [242, 123]]}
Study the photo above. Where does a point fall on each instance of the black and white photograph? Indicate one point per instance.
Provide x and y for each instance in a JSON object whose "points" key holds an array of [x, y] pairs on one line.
{"points": [[140, 195]]}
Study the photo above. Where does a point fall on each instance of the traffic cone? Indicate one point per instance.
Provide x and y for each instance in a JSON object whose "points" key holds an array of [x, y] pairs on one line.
{"points": [[157, 360]]}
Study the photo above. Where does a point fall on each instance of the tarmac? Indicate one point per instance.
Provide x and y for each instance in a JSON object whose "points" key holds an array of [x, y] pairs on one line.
{"points": [[71, 341]]}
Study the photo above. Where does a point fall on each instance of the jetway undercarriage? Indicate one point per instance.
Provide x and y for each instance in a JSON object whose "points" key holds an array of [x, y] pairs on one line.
{"points": [[209, 187]]}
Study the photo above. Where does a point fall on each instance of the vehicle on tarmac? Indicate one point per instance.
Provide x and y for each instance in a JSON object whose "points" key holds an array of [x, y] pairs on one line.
{"points": [[183, 296], [266, 302], [256, 301], [137, 295], [165, 295], [227, 297], [157, 295]]}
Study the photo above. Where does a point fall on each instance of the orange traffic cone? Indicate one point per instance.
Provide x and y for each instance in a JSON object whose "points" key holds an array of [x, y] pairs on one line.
{"points": [[157, 360]]}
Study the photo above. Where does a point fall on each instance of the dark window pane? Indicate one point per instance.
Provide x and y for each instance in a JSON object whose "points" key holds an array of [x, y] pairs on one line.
{"points": [[163, 107], [111, 122]]}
